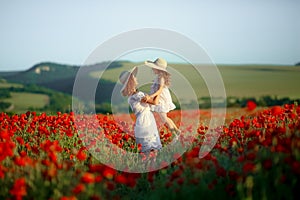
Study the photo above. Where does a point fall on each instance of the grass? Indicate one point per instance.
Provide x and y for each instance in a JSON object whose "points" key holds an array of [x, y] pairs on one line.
{"points": [[8, 85], [113, 73], [22, 101], [239, 80], [256, 81]]}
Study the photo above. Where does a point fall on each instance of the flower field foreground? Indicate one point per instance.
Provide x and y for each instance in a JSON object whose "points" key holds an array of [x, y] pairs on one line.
{"points": [[257, 156]]}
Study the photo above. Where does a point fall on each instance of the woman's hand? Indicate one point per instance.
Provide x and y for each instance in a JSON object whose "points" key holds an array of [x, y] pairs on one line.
{"points": [[145, 98], [148, 99]]}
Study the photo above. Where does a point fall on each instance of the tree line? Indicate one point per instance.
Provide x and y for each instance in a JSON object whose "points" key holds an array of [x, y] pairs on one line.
{"points": [[63, 102]]}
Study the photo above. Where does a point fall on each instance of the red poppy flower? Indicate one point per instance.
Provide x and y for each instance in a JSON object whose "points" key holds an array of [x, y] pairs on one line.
{"points": [[81, 155], [296, 167], [109, 172], [194, 153], [95, 168], [230, 189], [110, 186], [20, 140], [168, 184], [120, 178], [176, 174], [19, 188], [20, 161], [180, 181], [2, 171], [98, 178], [131, 179], [233, 175], [4, 135], [276, 110], [267, 164], [221, 172], [68, 198], [87, 178], [248, 167], [151, 175], [251, 156], [79, 188]]}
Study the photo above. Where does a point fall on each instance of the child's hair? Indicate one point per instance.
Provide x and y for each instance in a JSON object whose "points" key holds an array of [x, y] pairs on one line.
{"points": [[166, 76], [130, 87]]}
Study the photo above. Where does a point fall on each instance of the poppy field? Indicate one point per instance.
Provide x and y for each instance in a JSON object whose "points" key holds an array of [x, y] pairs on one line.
{"points": [[257, 156]]}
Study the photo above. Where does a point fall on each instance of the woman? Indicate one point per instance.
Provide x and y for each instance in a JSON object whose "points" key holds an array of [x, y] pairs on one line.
{"points": [[145, 130]]}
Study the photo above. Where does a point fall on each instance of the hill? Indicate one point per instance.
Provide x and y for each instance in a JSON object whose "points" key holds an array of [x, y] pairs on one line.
{"points": [[57, 77], [265, 84], [42, 73], [52, 79], [47, 72]]}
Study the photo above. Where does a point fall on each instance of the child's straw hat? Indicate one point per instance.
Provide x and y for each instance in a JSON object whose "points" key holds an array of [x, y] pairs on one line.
{"points": [[159, 63]]}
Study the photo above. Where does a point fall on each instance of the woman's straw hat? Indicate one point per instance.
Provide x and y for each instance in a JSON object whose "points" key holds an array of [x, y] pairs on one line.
{"points": [[159, 63], [124, 77]]}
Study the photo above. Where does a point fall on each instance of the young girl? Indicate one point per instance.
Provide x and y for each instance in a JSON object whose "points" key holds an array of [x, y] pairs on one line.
{"points": [[145, 129], [161, 94]]}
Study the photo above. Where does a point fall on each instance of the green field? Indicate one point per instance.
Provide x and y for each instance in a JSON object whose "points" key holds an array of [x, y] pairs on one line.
{"points": [[23, 101], [283, 81], [8, 85], [239, 80]]}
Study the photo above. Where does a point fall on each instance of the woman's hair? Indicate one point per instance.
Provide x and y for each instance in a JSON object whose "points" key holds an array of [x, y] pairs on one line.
{"points": [[130, 87], [166, 76]]}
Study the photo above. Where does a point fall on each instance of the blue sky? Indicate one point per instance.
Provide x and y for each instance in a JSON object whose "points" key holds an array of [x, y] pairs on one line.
{"points": [[231, 31]]}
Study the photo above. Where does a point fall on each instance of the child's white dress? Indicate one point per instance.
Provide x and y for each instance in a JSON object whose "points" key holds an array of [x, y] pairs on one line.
{"points": [[165, 103], [145, 130]]}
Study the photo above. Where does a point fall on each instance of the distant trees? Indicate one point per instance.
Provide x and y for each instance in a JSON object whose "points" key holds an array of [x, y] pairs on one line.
{"points": [[4, 105], [62, 102], [58, 101], [4, 93], [264, 101]]}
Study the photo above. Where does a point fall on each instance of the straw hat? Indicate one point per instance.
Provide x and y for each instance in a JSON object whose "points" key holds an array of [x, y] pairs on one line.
{"points": [[124, 77], [159, 63]]}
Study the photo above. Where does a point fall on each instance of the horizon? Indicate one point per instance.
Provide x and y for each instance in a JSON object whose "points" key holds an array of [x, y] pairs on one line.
{"points": [[232, 33], [217, 64]]}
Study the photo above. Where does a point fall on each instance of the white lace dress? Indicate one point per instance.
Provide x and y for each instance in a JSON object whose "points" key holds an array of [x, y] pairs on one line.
{"points": [[145, 130], [165, 103]]}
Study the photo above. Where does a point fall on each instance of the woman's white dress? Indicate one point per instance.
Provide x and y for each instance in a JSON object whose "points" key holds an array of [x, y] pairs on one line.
{"points": [[165, 103], [145, 129]]}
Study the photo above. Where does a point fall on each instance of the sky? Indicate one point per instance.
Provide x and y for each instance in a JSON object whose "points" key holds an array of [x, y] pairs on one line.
{"points": [[67, 31]]}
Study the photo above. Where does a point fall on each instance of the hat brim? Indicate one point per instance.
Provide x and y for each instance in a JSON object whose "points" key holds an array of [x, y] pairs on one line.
{"points": [[154, 66], [132, 71]]}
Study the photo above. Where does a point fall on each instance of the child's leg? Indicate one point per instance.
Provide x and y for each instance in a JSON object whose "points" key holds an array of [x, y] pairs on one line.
{"points": [[171, 125], [168, 121]]}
